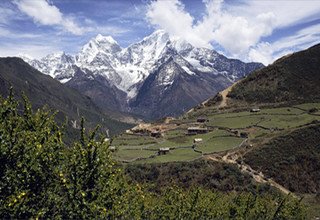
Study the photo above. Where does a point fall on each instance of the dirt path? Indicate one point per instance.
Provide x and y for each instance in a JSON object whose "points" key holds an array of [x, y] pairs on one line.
{"points": [[231, 158], [224, 94]]}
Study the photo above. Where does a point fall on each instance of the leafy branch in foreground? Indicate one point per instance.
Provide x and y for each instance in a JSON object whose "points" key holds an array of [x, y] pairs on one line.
{"points": [[42, 177]]}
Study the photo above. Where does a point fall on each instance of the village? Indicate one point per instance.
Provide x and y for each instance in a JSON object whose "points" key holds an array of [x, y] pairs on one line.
{"points": [[156, 138], [203, 133]]}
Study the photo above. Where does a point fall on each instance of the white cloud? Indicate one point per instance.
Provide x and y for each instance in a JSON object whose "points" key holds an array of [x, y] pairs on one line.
{"points": [[33, 50], [5, 15], [217, 25], [268, 52], [171, 16], [47, 14], [237, 34], [287, 12], [6, 33], [238, 28], [111, 30]]}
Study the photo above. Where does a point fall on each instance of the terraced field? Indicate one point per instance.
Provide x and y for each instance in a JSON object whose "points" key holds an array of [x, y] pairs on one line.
{"points": [[226, 130]]}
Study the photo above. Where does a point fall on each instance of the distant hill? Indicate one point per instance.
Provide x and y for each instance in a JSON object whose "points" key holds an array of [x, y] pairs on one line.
{"points": [[294, 77], [44, 90]]}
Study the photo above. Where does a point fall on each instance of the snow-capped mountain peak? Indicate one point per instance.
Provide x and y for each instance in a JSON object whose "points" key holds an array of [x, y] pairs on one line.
{"points": [[57, 54], [127, 69], [99, 44], [105, 39], [181, 45], [25, 56]]}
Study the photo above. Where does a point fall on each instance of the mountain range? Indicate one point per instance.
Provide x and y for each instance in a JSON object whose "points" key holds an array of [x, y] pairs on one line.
{"points": [[156, 77]]}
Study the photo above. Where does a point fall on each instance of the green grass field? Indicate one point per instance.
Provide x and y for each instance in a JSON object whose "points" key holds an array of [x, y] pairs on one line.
{"points": [[174, 156], [132, 140], [287, 121], [125, 154], [288, 110], [235, 122], [271, 120], [308, 106], [219, 144]]}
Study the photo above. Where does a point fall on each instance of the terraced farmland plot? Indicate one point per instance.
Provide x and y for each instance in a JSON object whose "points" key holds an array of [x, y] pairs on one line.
{"points": [[127, 154], [287, 121], [287, 117], [308, 106], [173, 156], [285, 111], [236, 122], [132, 140], [175, 133], [256, 132], [219, 144]]}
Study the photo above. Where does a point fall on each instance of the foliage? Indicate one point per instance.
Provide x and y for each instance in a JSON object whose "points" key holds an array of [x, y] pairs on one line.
{"points": [[199, 173], [42, 177], [291, 159]]}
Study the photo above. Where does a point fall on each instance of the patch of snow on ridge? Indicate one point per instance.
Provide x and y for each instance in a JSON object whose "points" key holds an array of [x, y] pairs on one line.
{"points": [[197, 65], [187, 70], [130, 75], [63, 81]]}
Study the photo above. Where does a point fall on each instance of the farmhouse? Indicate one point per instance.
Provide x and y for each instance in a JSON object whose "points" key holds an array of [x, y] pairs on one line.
{"points": [[196, 130], [163, 150], [112, 148], [156, 134], [236, 132], [197, 140], [202, 120], [255, 110], [243, 135]]}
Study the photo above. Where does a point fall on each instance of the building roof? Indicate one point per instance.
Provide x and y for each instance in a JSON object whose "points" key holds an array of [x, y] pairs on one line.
{"points": [[197, 128], [164, 149], [198, 139]]}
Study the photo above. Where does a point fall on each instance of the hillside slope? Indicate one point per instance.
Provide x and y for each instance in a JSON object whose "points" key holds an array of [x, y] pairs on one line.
{"points": [[293, 160], [292, 78], [43, 90]]}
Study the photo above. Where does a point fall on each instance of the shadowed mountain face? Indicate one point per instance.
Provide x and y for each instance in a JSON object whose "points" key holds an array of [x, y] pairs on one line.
{"points": [[43, 90], [155, 77], [158, 98], [295, 77]]}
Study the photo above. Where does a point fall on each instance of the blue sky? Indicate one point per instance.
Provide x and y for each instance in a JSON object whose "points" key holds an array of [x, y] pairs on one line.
{"points": [[246, 29]]}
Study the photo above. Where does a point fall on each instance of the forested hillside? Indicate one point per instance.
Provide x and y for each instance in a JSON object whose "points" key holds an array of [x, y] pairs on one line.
{"points": [[295, 77], [292, 160]]}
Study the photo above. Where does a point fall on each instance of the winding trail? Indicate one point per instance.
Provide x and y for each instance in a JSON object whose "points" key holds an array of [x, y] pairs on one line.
{"points": [[232, 157], [224, 94]]}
